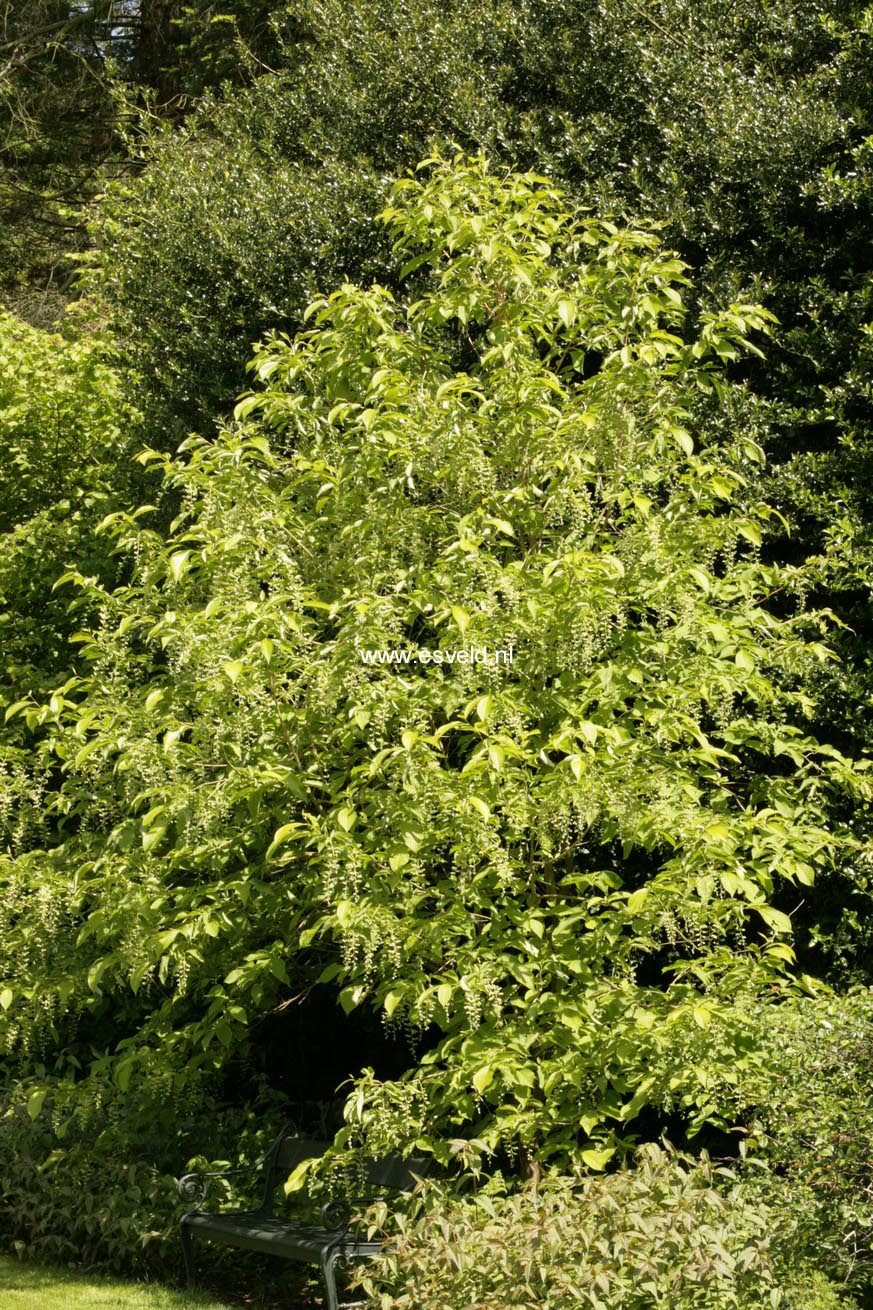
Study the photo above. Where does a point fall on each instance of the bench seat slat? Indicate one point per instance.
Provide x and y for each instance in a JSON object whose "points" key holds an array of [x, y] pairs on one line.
{"points": [[252, 1232]]}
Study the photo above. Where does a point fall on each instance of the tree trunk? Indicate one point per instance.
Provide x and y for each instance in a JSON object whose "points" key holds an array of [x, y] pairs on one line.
{"points": [[156, 56]]}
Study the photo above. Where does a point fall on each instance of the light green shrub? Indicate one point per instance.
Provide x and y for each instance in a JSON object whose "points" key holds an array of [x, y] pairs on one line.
{"points": [[66, 432], [561, 870], [61, 416]]}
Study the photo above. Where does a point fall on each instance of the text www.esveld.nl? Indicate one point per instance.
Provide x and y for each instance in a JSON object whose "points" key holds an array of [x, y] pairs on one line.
{"points": [[424, 655]]}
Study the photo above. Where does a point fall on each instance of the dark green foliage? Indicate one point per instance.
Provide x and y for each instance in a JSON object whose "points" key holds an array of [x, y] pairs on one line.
{"points": [[232, 233], [73, 78], [231, 43], [810, 1120], [93, 1175], [56, 120], [237, 242], [718, 132]]}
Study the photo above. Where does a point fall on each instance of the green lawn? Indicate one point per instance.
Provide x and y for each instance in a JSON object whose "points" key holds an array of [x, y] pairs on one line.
{"points": [[41, 1287]]}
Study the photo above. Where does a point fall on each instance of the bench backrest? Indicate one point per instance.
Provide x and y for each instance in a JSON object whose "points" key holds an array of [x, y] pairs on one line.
{"points": [[288, 1152], [391, 1173]]}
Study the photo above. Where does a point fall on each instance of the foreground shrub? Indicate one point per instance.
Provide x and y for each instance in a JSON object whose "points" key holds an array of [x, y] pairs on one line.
{"points": [[670, 1231]]}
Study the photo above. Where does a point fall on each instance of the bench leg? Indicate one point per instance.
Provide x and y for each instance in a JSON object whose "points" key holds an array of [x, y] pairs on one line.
{"points": [[328, 1261], [187, 1256]]}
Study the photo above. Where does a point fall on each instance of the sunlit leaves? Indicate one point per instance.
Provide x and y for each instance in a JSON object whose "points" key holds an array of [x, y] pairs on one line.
{"points": [[553, 842]]}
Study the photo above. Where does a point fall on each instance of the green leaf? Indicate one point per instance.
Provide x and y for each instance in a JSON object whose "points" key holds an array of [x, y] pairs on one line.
{"points": [[683, 439], [281, 837], [178, 564], [350, 998], [296, 1180], [347, 818], [172, 736], [35, 1102], [392, 1000], [345, 913], [461, 617], [483, 1078], [152, 837], [774, 919], [751, 532], [123, 1074], [598, 1159]]}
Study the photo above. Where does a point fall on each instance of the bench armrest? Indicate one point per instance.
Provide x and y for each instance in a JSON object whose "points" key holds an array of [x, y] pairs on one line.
{"points": [[194, 1186], [337, 1214]]}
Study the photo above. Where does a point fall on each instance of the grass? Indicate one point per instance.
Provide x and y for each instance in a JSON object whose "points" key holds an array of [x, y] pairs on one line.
{"points": [[41, 1287]]}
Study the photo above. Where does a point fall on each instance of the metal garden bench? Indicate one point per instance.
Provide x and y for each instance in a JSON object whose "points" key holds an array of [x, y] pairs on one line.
{"points": [[335, 1238]]}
